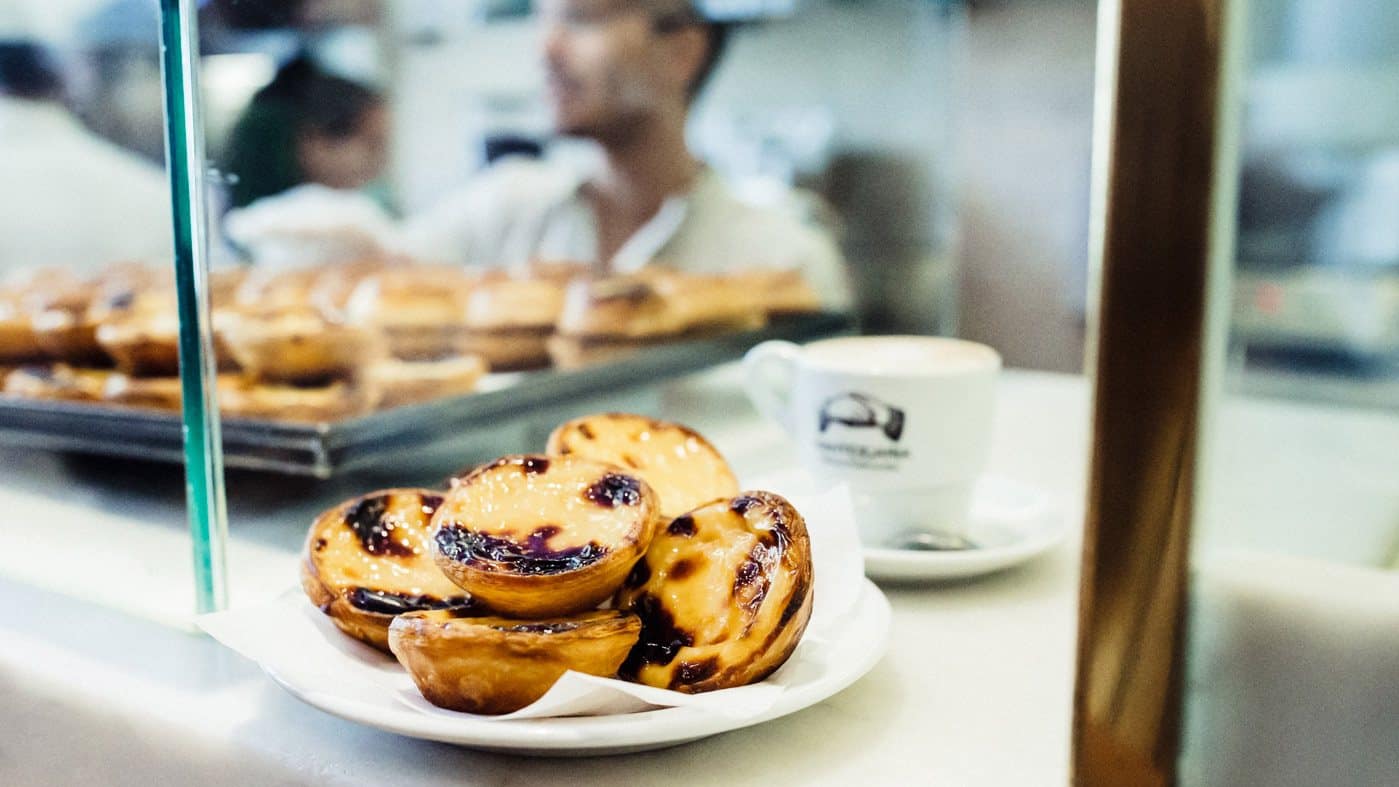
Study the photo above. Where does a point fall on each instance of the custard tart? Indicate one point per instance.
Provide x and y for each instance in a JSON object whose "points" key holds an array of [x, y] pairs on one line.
{"points": [[497, 665], [367, 560], [18, 342], [535, 536], [724, 594], [57, 381], [143, 337], [296, 345], [508, 322], [402, 382], [241, 397], [684, 469], [70, 336], [420, 308]]}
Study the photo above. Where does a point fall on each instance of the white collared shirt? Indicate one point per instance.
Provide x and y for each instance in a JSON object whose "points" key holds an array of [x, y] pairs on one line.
{"points": [[70, 198], [523, 209]]}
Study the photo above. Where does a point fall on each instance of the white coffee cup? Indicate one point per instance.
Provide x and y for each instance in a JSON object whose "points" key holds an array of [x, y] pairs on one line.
{"points": [[905, 421]]}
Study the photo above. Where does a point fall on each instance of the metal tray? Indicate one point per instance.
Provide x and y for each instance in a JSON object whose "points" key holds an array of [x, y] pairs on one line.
{"points": [[322, 450]]}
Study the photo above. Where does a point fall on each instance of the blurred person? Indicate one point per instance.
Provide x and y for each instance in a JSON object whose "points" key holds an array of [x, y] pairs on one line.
{"points": [[308, 127], [622, 75], [67, 196]]}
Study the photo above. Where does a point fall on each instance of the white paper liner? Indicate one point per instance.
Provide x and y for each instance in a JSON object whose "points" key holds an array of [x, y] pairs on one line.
{"points": [[292, 640]]}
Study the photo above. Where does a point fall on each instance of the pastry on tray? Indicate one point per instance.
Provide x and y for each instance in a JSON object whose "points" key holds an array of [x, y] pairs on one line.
{"points": [[420, 308], [779, 291], [57, 381], [496, 665], [539, 536], [67, 314], [708, 304], [69, 334], [332, 286], [157, 393], [296, 345], [268, 289], [367, 560], [143, 337], [724, 595], [402, 382], [509, 320], [561, 271], [607, 318], [683, 468], [18, 344], [334, 400]]}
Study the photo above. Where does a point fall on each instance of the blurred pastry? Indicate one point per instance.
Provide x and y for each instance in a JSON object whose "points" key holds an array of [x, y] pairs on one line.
{"points": [[70, 336], [683, 468], [143, 337], [779, 291], [224, 284], [535, 536], [496, 665], [57, 381], [708, 303], [724, 594], [315, 403], [509, 320], [158, 393], [129, 276], [18, 343], [47, 288], [332, 286], [58, 306], [561, 271], [406, 382], [607, 318], [296, 345], [421, 309], [367, 560], [269, 289]]}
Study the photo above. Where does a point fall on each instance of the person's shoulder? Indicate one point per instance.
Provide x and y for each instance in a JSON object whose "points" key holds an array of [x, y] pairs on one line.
{"points": [[775, 222]]}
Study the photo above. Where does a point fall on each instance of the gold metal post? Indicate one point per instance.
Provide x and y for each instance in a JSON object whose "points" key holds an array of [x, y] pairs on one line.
{"points": [[1162, 213]]}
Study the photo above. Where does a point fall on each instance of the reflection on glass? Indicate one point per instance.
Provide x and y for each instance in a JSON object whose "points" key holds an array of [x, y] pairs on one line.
{"points": [[434, 221], [1294, 615], [87, 315]]}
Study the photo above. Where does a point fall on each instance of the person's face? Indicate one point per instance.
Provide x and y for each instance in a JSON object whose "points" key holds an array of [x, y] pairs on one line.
{"points": [[610, 67], [348, 162]]}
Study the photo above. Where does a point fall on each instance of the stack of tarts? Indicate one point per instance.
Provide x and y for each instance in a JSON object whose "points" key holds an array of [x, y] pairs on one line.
{"points": [[307, 344], [626, 550], [333, 341]]}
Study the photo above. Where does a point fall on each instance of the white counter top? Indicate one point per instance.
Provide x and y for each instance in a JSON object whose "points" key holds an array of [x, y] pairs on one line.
{"points": [[976, 687]]}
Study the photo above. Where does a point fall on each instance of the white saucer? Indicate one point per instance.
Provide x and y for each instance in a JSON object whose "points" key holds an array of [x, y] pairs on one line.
{"points": [[845, 654], [1011, 523]]}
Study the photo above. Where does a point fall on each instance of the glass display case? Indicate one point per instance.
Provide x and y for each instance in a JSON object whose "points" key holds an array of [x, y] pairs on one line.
{"points": [[412, 236]]}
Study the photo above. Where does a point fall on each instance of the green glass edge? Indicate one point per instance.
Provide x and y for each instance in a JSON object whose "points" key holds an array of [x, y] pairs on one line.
{"points": [[204, 491]]}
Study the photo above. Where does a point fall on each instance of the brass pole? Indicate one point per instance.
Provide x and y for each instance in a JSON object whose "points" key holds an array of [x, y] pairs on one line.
{"points": [[1162, 224]]}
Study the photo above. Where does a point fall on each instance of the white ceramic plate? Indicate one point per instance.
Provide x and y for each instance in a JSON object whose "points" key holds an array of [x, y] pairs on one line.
{"points": [[1011, 523], [847, 653]]}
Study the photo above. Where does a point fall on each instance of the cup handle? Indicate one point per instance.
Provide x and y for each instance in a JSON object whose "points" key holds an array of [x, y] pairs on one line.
{"points": [[769, 371]]}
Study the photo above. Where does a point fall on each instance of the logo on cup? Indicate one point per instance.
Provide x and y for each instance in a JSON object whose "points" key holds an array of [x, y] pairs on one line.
{"points": [[862, 411]]}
